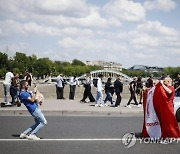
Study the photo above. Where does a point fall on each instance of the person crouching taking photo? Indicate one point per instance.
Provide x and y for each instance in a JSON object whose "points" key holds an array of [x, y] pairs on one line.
{"points": [[30, 101]]}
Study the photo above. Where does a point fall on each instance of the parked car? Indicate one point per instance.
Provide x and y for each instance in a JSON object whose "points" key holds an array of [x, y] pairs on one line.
{"points": [[177, 108]]}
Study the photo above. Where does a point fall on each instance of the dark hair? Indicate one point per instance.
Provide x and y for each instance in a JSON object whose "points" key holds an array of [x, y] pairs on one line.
{"points": [[109, 79], [100, 75], [22, 83]]}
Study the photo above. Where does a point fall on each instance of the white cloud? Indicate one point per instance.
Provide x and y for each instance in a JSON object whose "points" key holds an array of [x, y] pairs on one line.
{"points": [[145, 40], [10, 27], [162, 5], [91, 44], [155, 27], [45, 7], [125, 10], [82, 30]]}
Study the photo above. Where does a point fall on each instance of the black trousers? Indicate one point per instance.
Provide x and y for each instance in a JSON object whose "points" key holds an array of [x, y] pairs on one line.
{"points": [[72, 91], [88, 94], [118, 99], [132, 97], [59, 92]]}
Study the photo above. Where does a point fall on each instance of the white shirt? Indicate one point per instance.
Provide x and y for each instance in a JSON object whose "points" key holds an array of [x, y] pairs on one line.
{"points": [[8, 78], [73, 81], [99, 85], [59, 81]]}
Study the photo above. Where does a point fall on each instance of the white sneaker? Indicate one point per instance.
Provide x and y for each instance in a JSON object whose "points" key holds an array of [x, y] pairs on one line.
{"points": [[96, 105], [139, 105], [105, 105], [101, 105], [7, 103], [128, 106], [22, 136], [33, 137]]}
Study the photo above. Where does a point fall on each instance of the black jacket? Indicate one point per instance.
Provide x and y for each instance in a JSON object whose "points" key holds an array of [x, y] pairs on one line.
{"points": [[118, 86]]}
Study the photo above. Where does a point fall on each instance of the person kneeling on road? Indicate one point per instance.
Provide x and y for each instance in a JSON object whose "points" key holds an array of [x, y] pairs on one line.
{"points": [[30, 101]]}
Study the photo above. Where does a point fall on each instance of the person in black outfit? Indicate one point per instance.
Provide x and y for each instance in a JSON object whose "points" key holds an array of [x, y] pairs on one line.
{"points": [[177, 86], [109, 90], [149, 82], [139, 89], [132, 89], [87, 91], [118, 87]]}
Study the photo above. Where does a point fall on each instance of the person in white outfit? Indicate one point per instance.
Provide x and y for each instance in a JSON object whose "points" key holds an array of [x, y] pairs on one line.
{"points": [[99, 92], [72, 85], [6, 84]]}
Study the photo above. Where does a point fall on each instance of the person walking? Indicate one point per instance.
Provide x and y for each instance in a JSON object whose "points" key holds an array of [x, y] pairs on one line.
{"points": [[132, 89], [109, 90], [72, 85], [29, 101], [118, 86], [87, 89], [60, 87], [99, 92], [6, 85], [139, 89], [14, 89]]}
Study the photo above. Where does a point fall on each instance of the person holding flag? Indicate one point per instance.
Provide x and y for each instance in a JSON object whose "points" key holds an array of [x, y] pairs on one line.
{"points": [[159, 118]]}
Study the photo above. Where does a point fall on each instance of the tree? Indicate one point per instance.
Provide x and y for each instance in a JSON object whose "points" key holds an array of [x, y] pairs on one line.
{"points": [[3, 60], [77, 62], [42, 67]]}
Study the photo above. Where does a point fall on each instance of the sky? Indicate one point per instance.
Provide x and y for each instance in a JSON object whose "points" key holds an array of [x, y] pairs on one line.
{"points": [[129, 32]]}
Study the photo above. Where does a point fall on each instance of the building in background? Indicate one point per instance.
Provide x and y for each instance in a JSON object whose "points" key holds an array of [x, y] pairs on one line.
{"points": [[107, 65]]}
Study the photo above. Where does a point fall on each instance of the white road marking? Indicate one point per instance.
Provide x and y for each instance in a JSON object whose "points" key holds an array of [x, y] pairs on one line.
{"points": [[118, 139]]}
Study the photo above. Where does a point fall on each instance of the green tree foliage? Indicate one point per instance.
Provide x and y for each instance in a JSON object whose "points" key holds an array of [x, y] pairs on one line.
{"points": [[3, 60], [42, 67], [77, 62], [171, 71], [133, 73]]}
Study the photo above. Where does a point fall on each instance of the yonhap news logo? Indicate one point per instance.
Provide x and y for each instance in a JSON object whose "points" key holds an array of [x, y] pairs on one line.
{"points": [[130, 139]]}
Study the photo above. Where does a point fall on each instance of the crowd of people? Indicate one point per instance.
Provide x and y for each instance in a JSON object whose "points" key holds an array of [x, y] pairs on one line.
{"points": [[11, 87], [20, 90], [136, 88], [110, 89]]}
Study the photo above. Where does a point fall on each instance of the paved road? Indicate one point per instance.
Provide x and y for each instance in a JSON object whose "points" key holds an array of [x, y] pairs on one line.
{"points": [[74, 134]]}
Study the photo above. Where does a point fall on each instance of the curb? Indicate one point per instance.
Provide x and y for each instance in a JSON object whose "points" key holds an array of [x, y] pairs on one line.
{"points": [[71, 112]]}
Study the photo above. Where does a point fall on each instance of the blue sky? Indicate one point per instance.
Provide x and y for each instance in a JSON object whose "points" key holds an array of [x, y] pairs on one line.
{"points": [[129, 32]]}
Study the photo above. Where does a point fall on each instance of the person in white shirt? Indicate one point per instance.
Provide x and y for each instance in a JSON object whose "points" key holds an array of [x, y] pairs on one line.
{"points": [[60, 87], [6, 85], [99, 92], [72, 84]]}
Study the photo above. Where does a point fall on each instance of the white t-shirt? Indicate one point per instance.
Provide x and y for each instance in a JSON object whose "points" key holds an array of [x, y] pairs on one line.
{"points": [[99, 85], [8, 78]]}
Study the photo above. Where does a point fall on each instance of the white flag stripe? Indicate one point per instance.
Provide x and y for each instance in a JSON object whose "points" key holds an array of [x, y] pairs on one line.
{"points": [[151, 120]]}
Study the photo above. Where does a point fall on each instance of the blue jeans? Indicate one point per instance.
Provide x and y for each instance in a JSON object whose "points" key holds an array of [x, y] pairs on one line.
{"points": [[108, 97], [40, 122], [6, 92], [99, 97]]}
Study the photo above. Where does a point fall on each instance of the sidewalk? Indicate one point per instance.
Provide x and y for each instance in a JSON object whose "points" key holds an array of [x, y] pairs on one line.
{"points": [[53, 106]]}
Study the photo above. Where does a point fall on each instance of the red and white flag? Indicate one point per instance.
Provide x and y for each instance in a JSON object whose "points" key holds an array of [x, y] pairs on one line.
{"points": [[159, 119]]}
